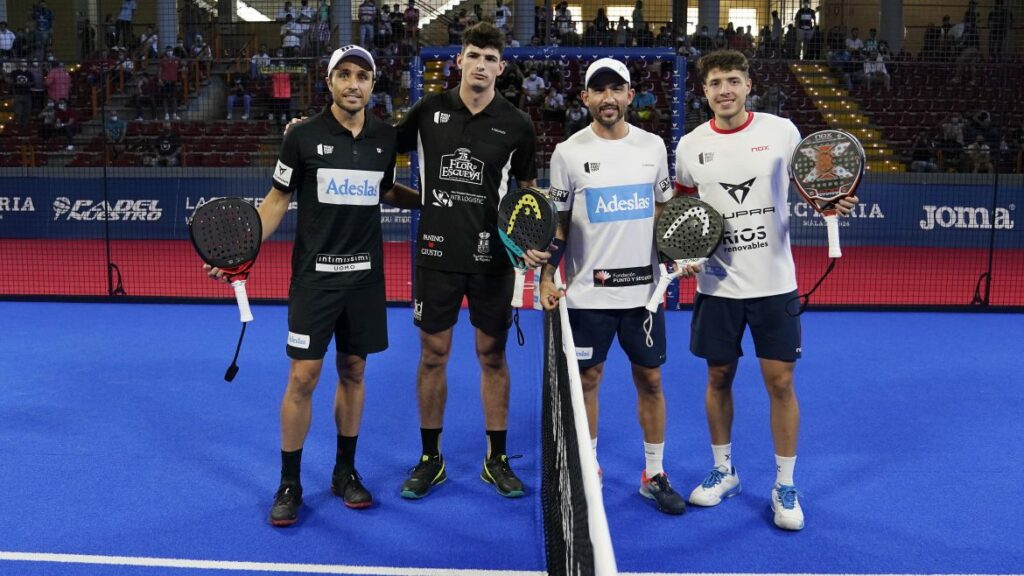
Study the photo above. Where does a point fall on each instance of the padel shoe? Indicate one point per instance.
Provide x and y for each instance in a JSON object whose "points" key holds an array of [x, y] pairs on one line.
{"points": [[427, 474], [348, 485], [717, 486], [658, 489], [287, 502], [497, 472], [786, 506]]}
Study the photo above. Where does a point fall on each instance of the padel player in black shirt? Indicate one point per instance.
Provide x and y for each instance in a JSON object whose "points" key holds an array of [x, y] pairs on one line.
{"points": [[471, 142], [340, 164]]}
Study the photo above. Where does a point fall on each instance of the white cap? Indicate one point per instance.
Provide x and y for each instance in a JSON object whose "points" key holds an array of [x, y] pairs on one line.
{"points": [[610, 64], [351, 51]]}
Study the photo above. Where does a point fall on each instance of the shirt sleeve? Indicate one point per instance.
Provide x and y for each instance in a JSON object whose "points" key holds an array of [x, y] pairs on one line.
{"points": [[288, 172], [562, 191], [524, 157], [408, 128], [684, 180], [663, 185]]}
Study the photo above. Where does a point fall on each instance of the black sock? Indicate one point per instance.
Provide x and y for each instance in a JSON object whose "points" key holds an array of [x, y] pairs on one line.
{"points": [[346, 457], [291, 466], [496, 443], [431, 438]]}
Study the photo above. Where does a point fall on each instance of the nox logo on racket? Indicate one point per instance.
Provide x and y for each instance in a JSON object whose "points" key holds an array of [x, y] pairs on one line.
{"points": [[738, 192]]}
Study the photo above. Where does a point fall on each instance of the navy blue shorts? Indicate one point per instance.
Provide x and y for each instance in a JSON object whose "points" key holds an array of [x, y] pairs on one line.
{"points": [[593, 331], [718, 324]]}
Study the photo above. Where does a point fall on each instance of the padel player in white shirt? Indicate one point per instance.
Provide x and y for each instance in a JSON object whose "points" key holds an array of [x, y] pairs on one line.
{"points": [[606, 181], [739, 163]]}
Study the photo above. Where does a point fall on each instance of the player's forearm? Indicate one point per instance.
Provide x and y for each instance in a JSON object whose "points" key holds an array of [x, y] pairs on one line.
{"points": [[272, 210]]}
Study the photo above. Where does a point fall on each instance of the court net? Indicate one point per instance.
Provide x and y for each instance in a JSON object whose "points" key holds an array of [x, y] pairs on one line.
{"points": [[576, 536]]}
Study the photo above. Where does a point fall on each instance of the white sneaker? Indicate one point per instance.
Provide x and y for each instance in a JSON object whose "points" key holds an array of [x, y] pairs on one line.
{"points": [[245, 116], [176, 117], [786, 505], [229, 116], [71, 147], [717, 485], [167, 116]]}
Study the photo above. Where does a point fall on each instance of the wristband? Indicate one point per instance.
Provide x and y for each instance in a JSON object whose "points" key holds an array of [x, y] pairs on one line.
{"points": [[557, 247]]}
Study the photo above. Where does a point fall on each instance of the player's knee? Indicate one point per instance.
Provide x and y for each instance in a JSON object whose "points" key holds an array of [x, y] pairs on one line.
{"points": [[491, 360], [302, 382], [433, 359], [779, 387], [720, 376]]}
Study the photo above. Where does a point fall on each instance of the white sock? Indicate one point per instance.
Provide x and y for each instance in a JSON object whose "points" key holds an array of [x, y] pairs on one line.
{"points": [[655, 454], [784, 469], [723, 457]]}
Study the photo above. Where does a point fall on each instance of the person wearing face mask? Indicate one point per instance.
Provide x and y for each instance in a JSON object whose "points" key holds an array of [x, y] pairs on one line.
{"points": [[533, 90], [58, 83], [238, 92], [115, 129], [169, 69], [21, 86], [7, 38], [67, 123], [48, 120]]}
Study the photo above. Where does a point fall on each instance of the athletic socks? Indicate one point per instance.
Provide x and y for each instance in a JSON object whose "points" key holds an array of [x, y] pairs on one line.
{"points": [[723, 457], [784, 466], [496, 440], [654, 454], [431, 438], [291, 465], [345, 459]]}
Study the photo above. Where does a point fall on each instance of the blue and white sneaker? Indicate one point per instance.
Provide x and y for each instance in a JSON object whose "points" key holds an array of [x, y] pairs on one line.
{"points": [[786, 506], [717, 486]]}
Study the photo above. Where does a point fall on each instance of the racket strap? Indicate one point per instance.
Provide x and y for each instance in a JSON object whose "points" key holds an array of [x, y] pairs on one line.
{"points": [[648, 326], [520, 337], [805, 299], [233, 369]]}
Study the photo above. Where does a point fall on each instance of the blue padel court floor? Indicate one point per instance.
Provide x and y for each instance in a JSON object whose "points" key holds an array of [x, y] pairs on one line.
{"points": [[123, 451]]}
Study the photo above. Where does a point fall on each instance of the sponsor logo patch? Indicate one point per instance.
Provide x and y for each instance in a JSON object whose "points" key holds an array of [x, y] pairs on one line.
{"points": [[585, 353], [348, 187], [462, 167], [343, 262], [616, 277], [615, 203], [283, 174], [98, 211], [298, 340]]}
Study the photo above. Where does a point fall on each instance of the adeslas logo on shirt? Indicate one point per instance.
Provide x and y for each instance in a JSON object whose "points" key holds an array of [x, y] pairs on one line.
{"points": [[353, 187], [615, 203]]}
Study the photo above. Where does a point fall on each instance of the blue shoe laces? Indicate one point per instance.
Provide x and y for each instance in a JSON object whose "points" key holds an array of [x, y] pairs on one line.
{"points": [[714, 478], [787, 494]]}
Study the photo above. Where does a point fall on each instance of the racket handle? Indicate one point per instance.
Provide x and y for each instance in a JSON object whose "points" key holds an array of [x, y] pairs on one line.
{"points": [[517, 290], [659, 290], [832, 225], [243, 300]]}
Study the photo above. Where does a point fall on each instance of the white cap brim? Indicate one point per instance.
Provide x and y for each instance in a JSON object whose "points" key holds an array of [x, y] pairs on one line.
{"points": [[351, 51], [607, 64]]}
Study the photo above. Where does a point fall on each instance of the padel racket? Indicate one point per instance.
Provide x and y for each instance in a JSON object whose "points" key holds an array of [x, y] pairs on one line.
{"points": [[827, 166], [687, 232], [527, 219], [227, 234]]}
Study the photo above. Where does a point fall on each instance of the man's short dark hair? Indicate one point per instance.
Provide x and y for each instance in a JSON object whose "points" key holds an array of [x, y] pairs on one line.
{"points": [[484, 35], [724, 60]]}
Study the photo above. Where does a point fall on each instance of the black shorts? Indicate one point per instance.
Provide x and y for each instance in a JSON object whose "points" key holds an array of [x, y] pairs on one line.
{"points": [[718, 324], [357, 318], [594, 329], [439, 296]]}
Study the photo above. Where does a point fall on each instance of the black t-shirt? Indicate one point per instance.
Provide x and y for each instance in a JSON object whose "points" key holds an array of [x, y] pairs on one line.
{"points": [[466, 162], [805, 18], [168, 143], [339, 180]]}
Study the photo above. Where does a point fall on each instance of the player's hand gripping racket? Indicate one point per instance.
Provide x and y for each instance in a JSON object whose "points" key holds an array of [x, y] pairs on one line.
{"points": [[227, 234], [527, 219], [687, 232], [827, 166]]}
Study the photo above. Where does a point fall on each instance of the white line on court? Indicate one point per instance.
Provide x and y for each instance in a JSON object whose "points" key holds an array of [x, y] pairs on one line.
{"points": [[284, 567]]}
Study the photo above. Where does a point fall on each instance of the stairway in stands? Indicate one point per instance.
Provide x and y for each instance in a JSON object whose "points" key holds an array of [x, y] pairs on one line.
{"points": [[843, 112]]}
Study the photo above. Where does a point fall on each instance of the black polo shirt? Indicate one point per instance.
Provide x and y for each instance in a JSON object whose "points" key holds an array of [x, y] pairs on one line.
{"points": [[339, 180], [465, 165]]}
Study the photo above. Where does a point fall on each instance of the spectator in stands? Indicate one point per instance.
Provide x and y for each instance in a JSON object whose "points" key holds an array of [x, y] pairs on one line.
{"points": [[123, 70], [382, 88], [456, 27], [58, 83], [952, 144], [149, 44], [564, 27], [7, 38], [702, 41], [930, 45], [48, 120], [201, 50], [397, 23], [510, 41], [774, 100], [980, 122], [86, 39], [168, 147], [805, 20], [282, 95], [533, 90], [411, 16], [644, 107], [291, 37], [115, 130], [602, 27], [367, 23], [38, 88], [236, 93], [622, 34], [147, 91], [510, 82], [502, 16], [979, 156], [774, 49], [67, 124], [871, 42], [874, 69], [553, 108], [43, 17], [720, 42], [922, 153], [854, 45], [1000, 19], [753, 102], [576, 118], [284, 13], [124, 23], [169, 69], [259, 62], [109, 32], [320, 36]]}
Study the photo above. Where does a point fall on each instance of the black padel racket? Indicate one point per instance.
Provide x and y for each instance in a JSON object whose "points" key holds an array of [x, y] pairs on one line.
{"points": [[227, 234], [527, 219], [827, 166], [687, 232]]}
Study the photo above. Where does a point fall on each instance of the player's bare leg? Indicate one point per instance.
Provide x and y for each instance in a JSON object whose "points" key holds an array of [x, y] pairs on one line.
{"points": [[494, 391], [722, 481], [785, 419]]}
